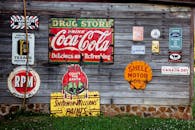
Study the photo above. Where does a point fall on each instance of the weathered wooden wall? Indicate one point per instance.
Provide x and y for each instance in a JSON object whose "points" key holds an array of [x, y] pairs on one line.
{"points": [[107, 79]]}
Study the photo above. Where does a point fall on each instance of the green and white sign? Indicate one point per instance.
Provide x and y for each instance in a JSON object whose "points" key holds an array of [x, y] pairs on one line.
{"points": [[175, 39]]}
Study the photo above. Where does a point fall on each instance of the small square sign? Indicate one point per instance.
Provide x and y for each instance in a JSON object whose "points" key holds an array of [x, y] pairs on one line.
{"points": [[175, 56], [20, 50], [138, 33]]}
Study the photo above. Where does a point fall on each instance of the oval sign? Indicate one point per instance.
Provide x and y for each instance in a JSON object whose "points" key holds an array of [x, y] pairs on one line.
{"points": [[175, 34], [175, 56], [17, 82]]}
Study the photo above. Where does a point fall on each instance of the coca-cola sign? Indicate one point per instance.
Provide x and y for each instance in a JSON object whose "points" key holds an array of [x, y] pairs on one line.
{"points": [[81, 40]]}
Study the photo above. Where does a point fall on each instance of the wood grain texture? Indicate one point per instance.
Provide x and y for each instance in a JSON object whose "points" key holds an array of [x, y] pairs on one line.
{"points": [[107, 79]]}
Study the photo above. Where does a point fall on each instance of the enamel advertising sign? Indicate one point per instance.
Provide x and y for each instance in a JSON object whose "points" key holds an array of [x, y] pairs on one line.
{"points": [[77, 106], [175, 39], [155, 47], [17, 82], [138, 73], [138, 33], [175, 56], [81, 40], [175, 70], [74, 81], [138, 49], [19, 48], [18, 22]]}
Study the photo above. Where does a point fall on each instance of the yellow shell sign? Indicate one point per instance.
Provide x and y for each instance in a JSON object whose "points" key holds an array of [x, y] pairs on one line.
{"points": [[138, 73]]}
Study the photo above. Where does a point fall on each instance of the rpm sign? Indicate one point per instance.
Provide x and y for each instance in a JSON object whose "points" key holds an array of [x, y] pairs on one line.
{"points": [[20, 82]]}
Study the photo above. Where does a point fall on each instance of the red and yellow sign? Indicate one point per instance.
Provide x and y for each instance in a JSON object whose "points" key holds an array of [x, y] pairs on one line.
{"points": [[138, 73], [81, 40], [77, 106]]}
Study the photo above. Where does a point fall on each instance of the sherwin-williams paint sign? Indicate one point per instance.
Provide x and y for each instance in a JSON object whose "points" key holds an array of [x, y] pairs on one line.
{"points": [[81, 40], [77, 106], [138, 73]]}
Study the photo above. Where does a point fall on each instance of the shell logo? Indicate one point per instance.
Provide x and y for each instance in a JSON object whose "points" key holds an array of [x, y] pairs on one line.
{"points": [[138, 73]]}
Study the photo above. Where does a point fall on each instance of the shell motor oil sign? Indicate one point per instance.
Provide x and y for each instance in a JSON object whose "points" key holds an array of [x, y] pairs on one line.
{"points": [[75, 100], [17, 82], [138, 73], [81, 40]]}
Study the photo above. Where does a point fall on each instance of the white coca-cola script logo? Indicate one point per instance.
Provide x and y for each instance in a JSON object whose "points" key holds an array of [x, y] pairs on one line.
{"points": [[81, 42]]}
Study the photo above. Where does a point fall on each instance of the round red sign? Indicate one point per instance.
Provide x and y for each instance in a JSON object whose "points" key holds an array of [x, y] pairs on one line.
{"points": [[17, 82]]}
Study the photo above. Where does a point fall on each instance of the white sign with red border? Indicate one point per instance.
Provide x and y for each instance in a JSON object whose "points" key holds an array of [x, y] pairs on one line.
{"points": [[17, 82], [175, 70]]}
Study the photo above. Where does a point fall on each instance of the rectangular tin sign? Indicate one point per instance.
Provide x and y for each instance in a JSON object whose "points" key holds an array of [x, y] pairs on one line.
{"points": [[81, 40], [19, 48], [138, 33], [175, 39], [155, 47], [138, 49], [18, 22], [175, 70], [77, 106]]}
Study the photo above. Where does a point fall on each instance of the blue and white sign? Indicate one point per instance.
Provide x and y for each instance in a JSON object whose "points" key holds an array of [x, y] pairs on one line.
{"points": [[175, 39], [138, 49]]}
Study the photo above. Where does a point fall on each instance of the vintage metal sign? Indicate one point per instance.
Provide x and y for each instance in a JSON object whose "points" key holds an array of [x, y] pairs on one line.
{"points": [[175, 70], [155, 33], [155, 47], [78, 106], [138, 33], [175, 56], [18, 22], [17, 82], [138, 49], [74, 81], [19, 48], [175, 39], [81, 40], [138, 73]]}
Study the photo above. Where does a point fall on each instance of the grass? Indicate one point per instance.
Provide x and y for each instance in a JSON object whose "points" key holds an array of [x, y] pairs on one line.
{"points": [[34, 121], [28, 121]]}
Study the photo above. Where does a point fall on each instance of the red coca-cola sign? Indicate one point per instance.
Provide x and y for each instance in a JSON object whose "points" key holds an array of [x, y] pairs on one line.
{"points": [[21, 82], [74, 80], [81, 40]]}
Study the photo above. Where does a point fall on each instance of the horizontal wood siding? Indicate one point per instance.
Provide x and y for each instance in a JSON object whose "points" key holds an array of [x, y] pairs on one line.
{"points": [[107, 79]]}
